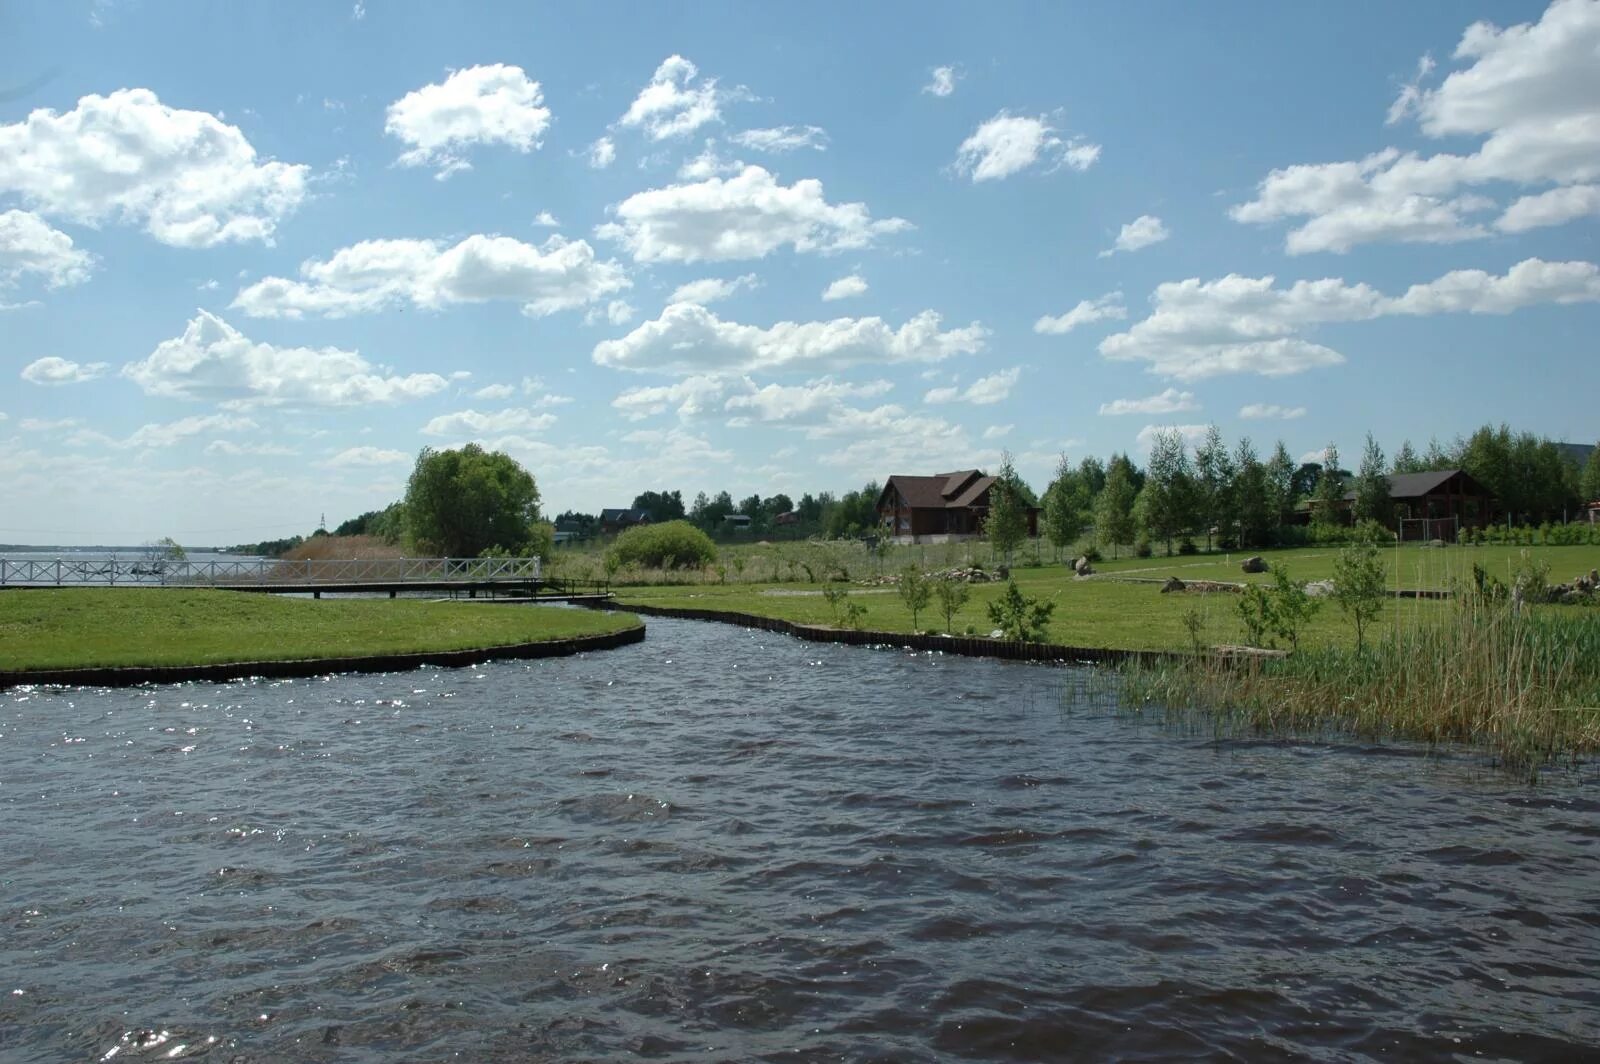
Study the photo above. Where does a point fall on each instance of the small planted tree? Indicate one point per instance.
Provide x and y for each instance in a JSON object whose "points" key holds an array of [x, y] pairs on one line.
{"points": [[952, 595], [1007, 522], [1020, 618], [1292, 608], [915, 591], [1359, 585]]}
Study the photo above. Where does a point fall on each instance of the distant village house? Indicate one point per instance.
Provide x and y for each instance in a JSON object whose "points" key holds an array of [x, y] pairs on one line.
{"points": [[942, 508]]}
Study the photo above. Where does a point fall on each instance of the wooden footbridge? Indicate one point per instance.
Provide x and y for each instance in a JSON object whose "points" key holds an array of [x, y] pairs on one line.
{"points": [[518, 578]]}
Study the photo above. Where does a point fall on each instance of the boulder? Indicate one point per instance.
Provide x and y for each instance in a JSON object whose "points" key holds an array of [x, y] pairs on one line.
{"points": [[1172, 584], [1319, 588], [1082, 566], [1435, 542], [1254, 564]]}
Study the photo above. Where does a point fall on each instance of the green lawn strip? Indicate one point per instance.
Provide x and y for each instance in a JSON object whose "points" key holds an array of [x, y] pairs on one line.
{"points": [[1100, 614], [100, 627]]}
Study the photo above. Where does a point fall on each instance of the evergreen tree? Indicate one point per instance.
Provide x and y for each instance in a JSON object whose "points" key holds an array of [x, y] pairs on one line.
{"points": [[1113, 510], [1251, 496], [1329, 503], [1372, 486], [1007, 523]]}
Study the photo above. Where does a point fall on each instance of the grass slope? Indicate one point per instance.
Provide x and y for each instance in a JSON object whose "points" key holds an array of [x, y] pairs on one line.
{"points": [[86, 627]]}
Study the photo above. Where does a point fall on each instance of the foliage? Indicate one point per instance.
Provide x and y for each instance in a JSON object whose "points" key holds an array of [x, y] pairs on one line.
{"points": [[1372, 486], [459, 503], [1280, 483], [1168, 498], [166, 549], [1021, 619], [847, 613], [672, 545], [1529, 476], [662, 506], [1252, 497], [1068, 504], [1329, 508], [1007, 523], [952, 595], [916, 590], [1216, 484], [708, 513], [1589, 483], [1406, 460], [1292, 608], [1359, 585], [1113, 512]]}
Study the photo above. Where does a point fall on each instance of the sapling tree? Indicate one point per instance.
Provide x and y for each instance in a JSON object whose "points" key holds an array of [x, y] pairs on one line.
{"points": [[1292, 608], [915, 591], [1007, 522], [1359, 585], [952, 595], [1021, 619]]}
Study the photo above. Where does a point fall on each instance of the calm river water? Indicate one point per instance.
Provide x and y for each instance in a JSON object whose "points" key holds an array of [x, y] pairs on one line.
{"points": [[731, 845]]}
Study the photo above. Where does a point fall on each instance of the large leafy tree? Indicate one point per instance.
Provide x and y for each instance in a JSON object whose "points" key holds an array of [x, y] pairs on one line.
{"points": [[1068, 503], [1372, 486], [1251, 497], [1215, 506], [461, 503], [1280, 485], [661, 505]]}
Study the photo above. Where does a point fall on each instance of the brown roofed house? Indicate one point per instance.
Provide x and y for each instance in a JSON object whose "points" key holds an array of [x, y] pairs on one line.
{"points": [[940, 508]]}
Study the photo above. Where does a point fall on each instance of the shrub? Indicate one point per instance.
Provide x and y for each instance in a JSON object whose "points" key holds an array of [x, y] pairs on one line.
{"points": [[1021, 619], [1143, 549], [1186, 546], [1092, 553], [671, 545]]}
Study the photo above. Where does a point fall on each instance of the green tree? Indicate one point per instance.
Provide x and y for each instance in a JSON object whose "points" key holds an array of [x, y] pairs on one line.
{"points": [[1169, 492], [915, 591], [1589, 485], [1113, 510], [1372, 486], [1280, 485], [1215, 505], [1406, 460], [1329, 508], [1021, 619], [661, 505], [1007, 522], [1292, 608], [1252, 495], [952, 595], [1359, 585], [460, 503], [1067, 505]]}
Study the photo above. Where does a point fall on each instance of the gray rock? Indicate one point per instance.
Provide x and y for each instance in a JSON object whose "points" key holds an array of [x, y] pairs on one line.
{"points": [[1319, 588], [1082, 566], [1254, 564], [1172, 584]]}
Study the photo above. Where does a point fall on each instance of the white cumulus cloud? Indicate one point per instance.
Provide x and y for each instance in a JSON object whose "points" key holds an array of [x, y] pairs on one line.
{"points": [[1526, 96], [31, 248], [495, 423], [690, 339], [985, 391], [712, 289], [557, 275], [481, 105], [213, 360], [677, 101], [1087, 312], [691, 397], [1143, 231], [941, 81], [845, 288], [189, 178], [1270, 411], [1007, 144], [746, 216], [602, 153], [782, 138], [53, 370], [1170, 401]]}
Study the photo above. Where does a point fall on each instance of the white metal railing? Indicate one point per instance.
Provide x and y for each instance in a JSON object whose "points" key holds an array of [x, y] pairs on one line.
{"points": [[115, 571]]}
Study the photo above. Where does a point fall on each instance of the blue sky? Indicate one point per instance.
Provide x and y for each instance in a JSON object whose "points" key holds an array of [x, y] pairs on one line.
{"points": [[253, 257]]}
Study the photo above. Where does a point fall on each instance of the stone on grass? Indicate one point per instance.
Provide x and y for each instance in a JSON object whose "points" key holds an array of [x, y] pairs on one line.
{"points": [[1319, 588], [1254, 564], [1172, 584]]}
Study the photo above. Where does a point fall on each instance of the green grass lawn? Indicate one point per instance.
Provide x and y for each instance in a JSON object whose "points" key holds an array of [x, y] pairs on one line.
{"points": [[1111, 611], [86, 627]]}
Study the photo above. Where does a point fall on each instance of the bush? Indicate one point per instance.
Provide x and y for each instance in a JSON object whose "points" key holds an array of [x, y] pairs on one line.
{"points": [[1143, 549], [1092, 553], [1186, 546], [670, 545], [1021, 618]]}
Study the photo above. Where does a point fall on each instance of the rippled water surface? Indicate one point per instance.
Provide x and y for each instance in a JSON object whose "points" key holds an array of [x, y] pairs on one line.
{"points": [[724, 844]]}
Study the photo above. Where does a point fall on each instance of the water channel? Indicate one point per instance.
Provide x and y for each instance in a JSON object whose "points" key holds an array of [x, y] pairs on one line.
{"points": [[731, 845]]}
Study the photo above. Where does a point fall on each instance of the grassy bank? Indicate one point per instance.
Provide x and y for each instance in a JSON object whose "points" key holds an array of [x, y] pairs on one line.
{"points": [[1525, 686], [90, 627]]}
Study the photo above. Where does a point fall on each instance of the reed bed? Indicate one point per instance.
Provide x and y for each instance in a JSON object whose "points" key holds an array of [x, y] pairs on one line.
{"points": [[1523, 685]]}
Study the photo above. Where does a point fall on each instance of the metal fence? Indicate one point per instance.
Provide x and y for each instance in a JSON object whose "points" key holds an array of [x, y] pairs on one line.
{"points": [[161, 572]]}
